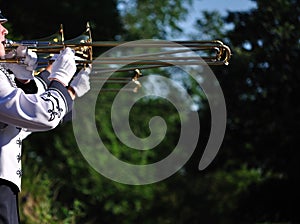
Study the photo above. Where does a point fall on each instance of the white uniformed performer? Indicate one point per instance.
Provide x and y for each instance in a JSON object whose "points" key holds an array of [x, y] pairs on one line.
{"points": [[28, 104]]}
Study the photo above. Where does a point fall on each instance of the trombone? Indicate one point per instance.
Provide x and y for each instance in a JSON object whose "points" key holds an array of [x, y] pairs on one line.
{"points": [[144, 54]]}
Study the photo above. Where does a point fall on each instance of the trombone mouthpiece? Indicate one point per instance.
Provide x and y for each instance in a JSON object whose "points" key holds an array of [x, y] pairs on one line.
{"points": [[8, 43]]}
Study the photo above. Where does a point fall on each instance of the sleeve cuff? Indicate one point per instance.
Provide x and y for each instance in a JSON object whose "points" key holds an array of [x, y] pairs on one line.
{"points": [[43, 77], [60, 88]]}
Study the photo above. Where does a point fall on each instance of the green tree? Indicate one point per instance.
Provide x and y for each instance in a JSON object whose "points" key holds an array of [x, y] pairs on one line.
{"points": [[267, 39], [210, 26], [254, 178], [152, 19]]}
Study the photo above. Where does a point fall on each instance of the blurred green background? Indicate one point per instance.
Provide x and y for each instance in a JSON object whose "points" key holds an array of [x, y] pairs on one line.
{"points": [[255, 176]]}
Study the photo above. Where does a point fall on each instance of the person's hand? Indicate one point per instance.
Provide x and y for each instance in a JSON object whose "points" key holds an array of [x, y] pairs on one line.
{"points": [[64, 67], [22, 71], [30, 60], [19, 52], [81, 82]]}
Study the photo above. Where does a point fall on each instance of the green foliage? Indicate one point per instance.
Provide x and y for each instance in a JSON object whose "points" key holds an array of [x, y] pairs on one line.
{"points": [[210, 26], [262, 107], [38, 198], [152, 19]]}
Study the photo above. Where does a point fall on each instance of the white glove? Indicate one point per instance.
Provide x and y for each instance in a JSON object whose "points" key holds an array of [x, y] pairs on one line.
{"points": [[31, 59], [64, 67], [81, 82], [17, 53], [23, 52], [22, 71]]}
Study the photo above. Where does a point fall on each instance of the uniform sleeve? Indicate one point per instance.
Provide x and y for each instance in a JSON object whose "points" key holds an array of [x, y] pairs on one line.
{"points": [[42, 80], [34, 112], [42, 83]]}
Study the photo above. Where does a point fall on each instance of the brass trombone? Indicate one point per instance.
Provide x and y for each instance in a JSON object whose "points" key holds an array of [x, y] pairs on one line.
{"points": [[146, 54]]}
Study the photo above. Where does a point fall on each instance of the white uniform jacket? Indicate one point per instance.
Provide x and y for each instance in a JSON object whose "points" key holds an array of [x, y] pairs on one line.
{"points": [[21, 114]]}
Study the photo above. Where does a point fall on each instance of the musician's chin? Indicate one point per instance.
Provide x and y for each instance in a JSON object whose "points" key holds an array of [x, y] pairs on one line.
{"points": [[2, 51]]}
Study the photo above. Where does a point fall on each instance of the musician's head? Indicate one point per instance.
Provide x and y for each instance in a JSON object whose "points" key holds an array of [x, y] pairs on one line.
{"points": [[3, 33]]}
